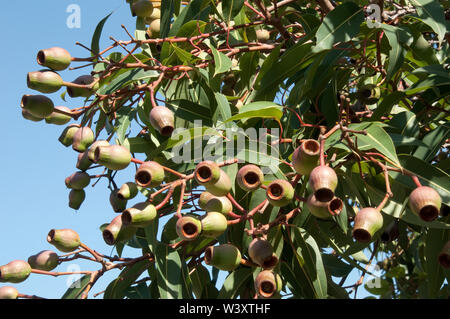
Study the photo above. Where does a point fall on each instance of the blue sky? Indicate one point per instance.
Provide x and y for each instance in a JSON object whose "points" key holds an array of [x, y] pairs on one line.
{"points": [[34, 164]]}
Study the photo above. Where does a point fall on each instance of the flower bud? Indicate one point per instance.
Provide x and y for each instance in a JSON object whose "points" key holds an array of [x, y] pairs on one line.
{"points": [[214, 224], [142, 8], [82, 139], [46, 260], [59, 118], [44, 81], [204, 199], [324, 210], [367, 222], [82, 91], [280, 193], [149, 174], [250, 177], [268, 284], [16, 271], [390, 233], [188, 228], [207, 172], [83, 162], [261, 252], [38, 106], [162, 120], [306, 157], [76, 198], [78, 180], [67, 135], [219, 204], [444, 256], [323, 181], [128, 191], [65, 240], [55, 58], [220, 188], [140, 215], [425, 202], [28, 116], [93, 147], [118, 204], [225, 257], [117, 232], [113, 157], [8, 292]]}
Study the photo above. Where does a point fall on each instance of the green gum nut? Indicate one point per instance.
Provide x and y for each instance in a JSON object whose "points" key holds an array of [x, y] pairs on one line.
{"points": [[261, 252], [66, 137], [55, 58], [118, 204], [140, 215], [280, 193], [93, 147], [250, 177], [113, 157], [207, 172], [162, 119], [369, 94], [367, 222], [78, 180], [8, 292], [156, 14], [83, 162], [425, 202], [149, 174], [128, 191], [225, 257], [74, 91], [268, 284], [306, 157], [220, 188], [65, 240], [324, 210], [142, 8], [39, 106], [154, 28], [46, 260], [15, 271], [219, 204], [76, 198], [45, 81], [188, 228], [59, 118], [262, 35], [323, 182], [117, 232], [204, 199], [28, 116], [444, 256], [214, 224], [82, 139]]}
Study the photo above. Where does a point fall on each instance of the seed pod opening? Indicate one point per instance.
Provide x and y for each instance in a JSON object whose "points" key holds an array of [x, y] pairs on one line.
{"points": [[93, 148], [117, 232], [118, 204], [55, 58], [225, 257], [261, 252], [323, 181], [162, 119], [280, 193], [250, 177], [425, 202], [149, 174], [207, 172], [306, 157], [65, 240], [188, 228], [38, 106], [268, 284], [367, 222]]}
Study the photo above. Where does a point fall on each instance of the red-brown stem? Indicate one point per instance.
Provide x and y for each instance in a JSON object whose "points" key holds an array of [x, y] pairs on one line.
{"points": [[180, 203], [135, 160], [166, 199], [416, 181], [235, 203], [56, 274], [29, 296]]}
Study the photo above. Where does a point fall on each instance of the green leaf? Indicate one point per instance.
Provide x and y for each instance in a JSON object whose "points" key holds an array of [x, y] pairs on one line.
{"points": [[77, 287], [235, 280], [230, 8], [222, 63], [124, 118], [397, 52], [269, 112], [140, 291], [340, 25], [336, 267], [434, 241], [433, 141], [431, 13], [386, 105], [127, 78], [95, 42], [190, 111]]}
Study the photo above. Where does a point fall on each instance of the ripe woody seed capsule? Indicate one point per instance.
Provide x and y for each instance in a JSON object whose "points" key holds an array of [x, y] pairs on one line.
{"points": [[207, 172], [268, 284], [306, 157], [214, 224], [425, 202], [113, 157], [59, 118], [220, 188], [219, 204], [39, 106], [45, 81], [204, 199], [367, 222], [55, 58], [280, 193], [8, 292], [323, 181], [46, 260], [261, 252], [444, 256], [188, 228], [65, 240], [82, 139], [78, 180], [140, 215], [15, 271], [76, 198], [162, 119], [225, 257], [66, 137], [324, 210], [118, 204], [82, 91], [128, 191], [149, 174], [250, 177], [83, 162], [117, 232], [93, 147]]}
